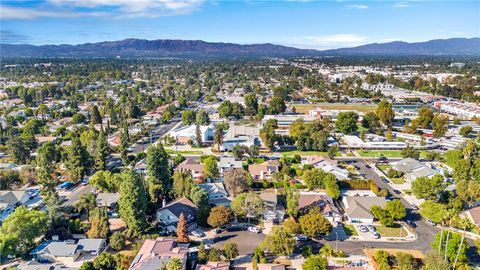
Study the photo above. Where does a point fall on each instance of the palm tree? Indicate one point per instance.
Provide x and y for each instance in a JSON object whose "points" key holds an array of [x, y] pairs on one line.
{"points": [[86, 202], [446, 217], [464, 222], [327, 251]]}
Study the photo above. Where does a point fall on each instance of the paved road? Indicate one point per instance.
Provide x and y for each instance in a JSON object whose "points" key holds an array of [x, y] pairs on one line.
{"points": [[247, 241], [74, 194], [156, 133]]}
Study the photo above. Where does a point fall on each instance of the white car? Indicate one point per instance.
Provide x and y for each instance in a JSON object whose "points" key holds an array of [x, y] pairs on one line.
{"points": [[198, 233], [254, 229], [371, 228], [376, 235], [301, 237], [431, 222]]}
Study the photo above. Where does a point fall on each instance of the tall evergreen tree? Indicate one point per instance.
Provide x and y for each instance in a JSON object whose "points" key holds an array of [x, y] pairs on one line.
{"points": [[124, 144], [78, 159], [95, 117], [198, 135], [182, 230], [133, 202], [103, 151], [158, 173]]}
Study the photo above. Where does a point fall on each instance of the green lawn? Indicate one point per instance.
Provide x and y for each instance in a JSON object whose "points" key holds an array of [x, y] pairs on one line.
{"points": [[305, 108], [398, 181], [350, 230], [378, 153], [185, 152], [306, 153], [392, 231], [384, 167]]}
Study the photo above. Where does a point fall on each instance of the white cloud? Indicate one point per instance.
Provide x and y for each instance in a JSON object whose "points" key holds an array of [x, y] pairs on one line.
{"points": [[357, 6], [25, 13], [134, 8], [401, 5], [328, 41]]}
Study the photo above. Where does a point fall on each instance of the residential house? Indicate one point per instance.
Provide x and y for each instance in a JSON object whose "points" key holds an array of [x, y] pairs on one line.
{"points": [[217, 194], [214, 266], [9, 200], [241, 135], [473, 215], [185, 134], [68, 251], [326, 165], [194, 167], [156, 253], [357, 209], [141, 167], [263, 170], [323, 202], [413, 169], [226, 163], [169, 215], [108, 200], [274, 211]]}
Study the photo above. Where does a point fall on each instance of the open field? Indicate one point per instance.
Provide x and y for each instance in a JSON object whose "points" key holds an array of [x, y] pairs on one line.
{"points": [[185, 152], [304, 108], [395, 231], [305, 153], [378, 153], [398, 181]]}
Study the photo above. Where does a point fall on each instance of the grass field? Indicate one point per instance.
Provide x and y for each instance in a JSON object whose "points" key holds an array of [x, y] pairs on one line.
{"points": [[305, 153], [384, 167], [395, 231], [185, 152], [304, 108], [350, 230], [378, 153], [398, 181]]}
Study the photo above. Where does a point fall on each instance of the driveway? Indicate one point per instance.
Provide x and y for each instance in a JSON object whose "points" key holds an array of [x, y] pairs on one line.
{"points": [[247, 241]]}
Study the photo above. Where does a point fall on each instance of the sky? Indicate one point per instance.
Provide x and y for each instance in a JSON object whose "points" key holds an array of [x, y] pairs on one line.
{"points": [[311, 24]]}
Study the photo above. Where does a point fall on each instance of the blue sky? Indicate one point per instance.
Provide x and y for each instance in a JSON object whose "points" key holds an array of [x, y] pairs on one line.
{"points": [[299, 23]]}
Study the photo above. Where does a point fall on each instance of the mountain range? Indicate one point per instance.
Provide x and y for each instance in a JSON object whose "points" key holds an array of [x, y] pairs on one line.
{"points": [[199, 48]]}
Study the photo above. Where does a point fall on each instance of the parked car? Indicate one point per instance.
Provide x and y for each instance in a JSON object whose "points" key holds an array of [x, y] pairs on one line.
{"points": [[301, 238], [363, 228], [254, 229], [375, 235], [431, 222], [198, 233], [371, 228], [382, 159], [397, 191], [385, 180], [414, 206], [368, 166], [411, 223], [218, 231]]}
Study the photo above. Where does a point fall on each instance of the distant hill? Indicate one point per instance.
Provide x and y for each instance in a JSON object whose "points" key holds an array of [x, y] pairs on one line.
{"points": [[452, 46], [198, 48], [152, 48]]}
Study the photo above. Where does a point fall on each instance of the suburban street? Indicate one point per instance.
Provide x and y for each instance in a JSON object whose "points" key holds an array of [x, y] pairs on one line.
{"points": [[156, 133]]}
